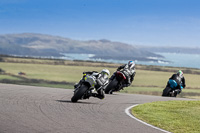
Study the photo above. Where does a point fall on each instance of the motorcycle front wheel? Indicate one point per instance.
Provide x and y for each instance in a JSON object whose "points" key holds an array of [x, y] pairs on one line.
{"points": [[166, 92], [79, 93], [111, 86]]}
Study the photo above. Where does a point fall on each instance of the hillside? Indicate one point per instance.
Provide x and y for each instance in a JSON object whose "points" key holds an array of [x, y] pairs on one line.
{"points": [[29, 44], [182, 50]]}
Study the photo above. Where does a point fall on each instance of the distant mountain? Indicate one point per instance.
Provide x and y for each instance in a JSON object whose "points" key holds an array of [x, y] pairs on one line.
{"points": [[182, 50], [29, 44]]}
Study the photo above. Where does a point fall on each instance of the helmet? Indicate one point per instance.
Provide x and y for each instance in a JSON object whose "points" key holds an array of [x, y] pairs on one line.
{"points": [[131, 64], [105, 71], [180, 73]]}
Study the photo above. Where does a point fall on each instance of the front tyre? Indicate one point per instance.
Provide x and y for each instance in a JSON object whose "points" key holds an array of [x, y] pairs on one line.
{"points": [[166, 92], [111, 86], [79, 93]]}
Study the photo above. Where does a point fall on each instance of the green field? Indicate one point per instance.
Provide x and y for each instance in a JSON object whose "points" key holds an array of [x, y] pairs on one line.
{"points": [[148, 80], [173, 116]]}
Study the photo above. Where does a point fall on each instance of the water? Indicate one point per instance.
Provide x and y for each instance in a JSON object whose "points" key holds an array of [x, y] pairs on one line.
{"points": [[77, 56], [171, 59], [182, 60]]}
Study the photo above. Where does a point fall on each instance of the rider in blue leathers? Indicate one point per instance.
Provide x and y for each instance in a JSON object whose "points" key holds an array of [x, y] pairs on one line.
{"points": [[177, 81]]}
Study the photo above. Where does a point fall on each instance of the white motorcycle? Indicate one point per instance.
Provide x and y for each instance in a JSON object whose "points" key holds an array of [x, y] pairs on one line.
{"points": [[85, 88]]}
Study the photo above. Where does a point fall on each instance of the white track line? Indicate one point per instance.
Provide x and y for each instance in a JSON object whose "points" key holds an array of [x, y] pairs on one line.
{"points": [[127, 111]]}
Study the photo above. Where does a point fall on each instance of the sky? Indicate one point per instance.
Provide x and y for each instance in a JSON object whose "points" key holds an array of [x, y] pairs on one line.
{"points": [[137, 22]]}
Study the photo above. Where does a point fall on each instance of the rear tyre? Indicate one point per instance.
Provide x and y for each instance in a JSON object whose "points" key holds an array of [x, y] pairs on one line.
{"points": [[79, 93]]}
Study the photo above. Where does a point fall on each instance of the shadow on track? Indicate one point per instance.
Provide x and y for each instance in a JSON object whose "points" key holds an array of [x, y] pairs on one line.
{"points": [[68, 101], [112, 94]]}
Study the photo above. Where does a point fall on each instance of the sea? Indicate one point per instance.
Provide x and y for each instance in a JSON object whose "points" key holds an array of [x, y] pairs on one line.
{"points": [[170, 59]]}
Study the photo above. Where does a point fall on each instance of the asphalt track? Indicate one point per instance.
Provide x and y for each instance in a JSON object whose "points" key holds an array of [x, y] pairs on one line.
{"points": [[28, 109]]}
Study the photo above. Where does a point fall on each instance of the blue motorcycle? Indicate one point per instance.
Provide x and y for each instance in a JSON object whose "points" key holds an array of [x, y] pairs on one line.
{"points": [[171, 89]]}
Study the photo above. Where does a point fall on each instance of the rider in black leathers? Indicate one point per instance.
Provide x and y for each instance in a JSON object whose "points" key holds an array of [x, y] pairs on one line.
{"points": [[129, 71], [101, 79], [180, 80]]}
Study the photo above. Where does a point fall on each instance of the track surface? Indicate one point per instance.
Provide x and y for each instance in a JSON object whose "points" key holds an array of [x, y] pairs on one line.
{"points": [[26, 109]]}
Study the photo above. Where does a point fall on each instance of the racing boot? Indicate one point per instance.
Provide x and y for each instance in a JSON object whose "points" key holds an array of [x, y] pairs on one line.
{"points": [[99, 94]]}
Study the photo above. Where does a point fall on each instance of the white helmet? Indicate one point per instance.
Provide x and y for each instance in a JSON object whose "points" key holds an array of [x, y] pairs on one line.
{"points": [[105, 71]]}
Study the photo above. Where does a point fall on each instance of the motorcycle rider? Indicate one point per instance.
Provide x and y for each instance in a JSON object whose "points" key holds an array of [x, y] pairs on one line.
{"points": [[128, 71], [101, 79], [177, 80]]}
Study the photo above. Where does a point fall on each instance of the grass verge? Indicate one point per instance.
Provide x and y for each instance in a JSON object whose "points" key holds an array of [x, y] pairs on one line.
{"points": [[157, 91], [20, 80], [173, 116]]}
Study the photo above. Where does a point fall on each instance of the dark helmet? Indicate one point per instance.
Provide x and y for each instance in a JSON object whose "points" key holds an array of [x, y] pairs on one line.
{"points": [[131, 64]]}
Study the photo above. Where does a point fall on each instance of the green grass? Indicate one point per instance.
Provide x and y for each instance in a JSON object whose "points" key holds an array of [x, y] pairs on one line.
{"points": [[173, 116], [48, 72], [143, 90], [9, 77], [145, 82], [20, 81], [186, 93], [67, 73], [50, 85]]}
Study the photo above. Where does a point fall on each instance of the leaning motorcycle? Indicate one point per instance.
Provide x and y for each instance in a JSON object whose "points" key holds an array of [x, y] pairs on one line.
{"points": [[171, 89], [116, 83], [85, 88]]}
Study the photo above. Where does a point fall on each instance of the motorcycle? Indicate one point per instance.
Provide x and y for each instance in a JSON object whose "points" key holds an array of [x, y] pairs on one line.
{"points": [[116, 83], [171, 90], [84, 89]]}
